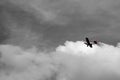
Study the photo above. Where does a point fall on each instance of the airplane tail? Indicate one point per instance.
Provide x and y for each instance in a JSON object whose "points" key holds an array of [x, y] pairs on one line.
{"points": [[95, 42]]}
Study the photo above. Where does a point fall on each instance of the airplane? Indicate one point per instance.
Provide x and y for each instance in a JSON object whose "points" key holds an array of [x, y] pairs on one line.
{"points": [[88, 43]]}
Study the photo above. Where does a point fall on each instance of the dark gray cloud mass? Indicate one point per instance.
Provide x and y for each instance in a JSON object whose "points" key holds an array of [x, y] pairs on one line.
{"points": [[47, 23]]}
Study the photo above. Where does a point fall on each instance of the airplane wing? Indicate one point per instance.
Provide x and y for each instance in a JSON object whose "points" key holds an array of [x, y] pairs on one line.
{"points": [[89, 43]]}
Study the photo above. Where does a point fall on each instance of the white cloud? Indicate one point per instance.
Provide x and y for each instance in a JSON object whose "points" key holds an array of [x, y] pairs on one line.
{"points": [[76, 48], [72, 61]]}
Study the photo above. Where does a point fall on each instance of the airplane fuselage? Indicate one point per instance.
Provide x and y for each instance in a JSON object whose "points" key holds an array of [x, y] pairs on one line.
{"points": [[88, 42]]}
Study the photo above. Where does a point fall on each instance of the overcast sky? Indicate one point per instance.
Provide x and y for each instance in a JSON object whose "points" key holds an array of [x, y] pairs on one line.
{"points": [[52, 22], [30, 28]]}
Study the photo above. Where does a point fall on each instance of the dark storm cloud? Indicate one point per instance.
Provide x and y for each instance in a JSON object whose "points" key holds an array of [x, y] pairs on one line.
{"points": [[21, 27], [80, 18], [51, 22]]}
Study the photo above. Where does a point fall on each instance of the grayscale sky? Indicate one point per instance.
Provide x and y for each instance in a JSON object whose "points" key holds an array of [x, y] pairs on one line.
{"points": [[45, 23]]}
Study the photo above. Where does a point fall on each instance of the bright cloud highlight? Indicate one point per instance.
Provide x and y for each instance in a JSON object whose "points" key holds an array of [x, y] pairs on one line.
{"points": [[72, 61]]}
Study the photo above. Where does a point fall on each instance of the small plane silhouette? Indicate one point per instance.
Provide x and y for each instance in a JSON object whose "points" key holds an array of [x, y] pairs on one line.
{"points": [[88, 43]]}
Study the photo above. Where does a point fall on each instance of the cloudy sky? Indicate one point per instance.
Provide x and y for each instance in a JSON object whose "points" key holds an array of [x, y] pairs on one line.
{"points": [[52, 22], [43, 39]]}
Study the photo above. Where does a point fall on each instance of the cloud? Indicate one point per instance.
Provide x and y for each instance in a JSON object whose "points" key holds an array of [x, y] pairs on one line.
{"points": [[19, 64], [36, 22], [52, 22], [72, 61], [97, 63]]}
